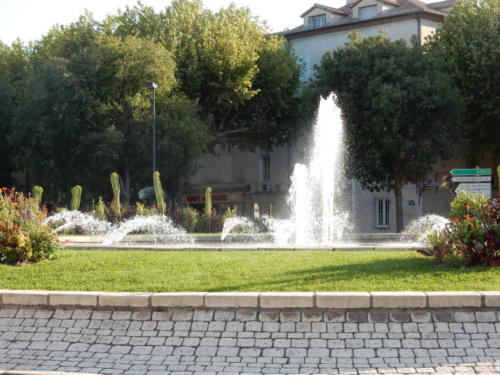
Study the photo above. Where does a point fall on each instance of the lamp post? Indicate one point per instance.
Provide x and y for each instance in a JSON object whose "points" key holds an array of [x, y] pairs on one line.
{"points": [[153, 86]]}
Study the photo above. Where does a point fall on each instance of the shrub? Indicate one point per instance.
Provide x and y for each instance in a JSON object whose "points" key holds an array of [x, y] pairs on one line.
{"points": [[468, 204], [23, 238], [159, 194], [38, 193], [115, 205], [189, 218], [473, 235], [76, 198], [100, 210], [142, 210], [202, 224]]}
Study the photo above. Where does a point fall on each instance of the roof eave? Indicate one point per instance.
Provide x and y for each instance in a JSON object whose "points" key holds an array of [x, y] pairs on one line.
{"points": [[363, 23]]}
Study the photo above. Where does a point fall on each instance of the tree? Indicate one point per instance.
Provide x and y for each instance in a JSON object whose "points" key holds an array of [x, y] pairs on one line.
{"points": [[401, 111], [14, 67], [245, 81], [468, 43], [88, 107]]}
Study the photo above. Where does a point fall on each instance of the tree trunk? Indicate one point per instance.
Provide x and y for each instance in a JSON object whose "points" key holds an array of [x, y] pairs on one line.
{"points": [[399, 205]]}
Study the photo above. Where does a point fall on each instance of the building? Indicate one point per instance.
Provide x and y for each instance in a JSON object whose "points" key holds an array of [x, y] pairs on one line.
{"points": [[256, 183]]}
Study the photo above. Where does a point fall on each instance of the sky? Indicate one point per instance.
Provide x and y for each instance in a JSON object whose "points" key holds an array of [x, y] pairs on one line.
{"points": [[31, 19]]}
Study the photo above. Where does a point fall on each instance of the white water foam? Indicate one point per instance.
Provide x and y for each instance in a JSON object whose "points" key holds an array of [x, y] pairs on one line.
{"points": [[161, 227], [419, 229], [88, 223]]}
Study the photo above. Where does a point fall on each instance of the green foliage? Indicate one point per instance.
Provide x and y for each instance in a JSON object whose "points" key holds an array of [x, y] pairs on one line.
{"points": [[100, 209], [498, 174], [467, 43], [80, 108], [159, 194], [469, 204], [189, 218], [202, 224], [208, 201], [115, 204], [38, 193], [76, 198], [229, 213], [401, 111], [142, 210], [89, 107], [473, 236], [23, 237], [244, 80]]}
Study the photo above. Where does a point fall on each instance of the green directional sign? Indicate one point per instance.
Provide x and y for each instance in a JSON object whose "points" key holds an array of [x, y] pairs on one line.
{"points": [[471, 172]]}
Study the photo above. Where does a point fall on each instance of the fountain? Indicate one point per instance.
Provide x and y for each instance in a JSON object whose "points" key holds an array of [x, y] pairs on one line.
{"points": [[420, 228], [70, 220], [318, 219], [317, 214], [160, 226], [244, 223]]}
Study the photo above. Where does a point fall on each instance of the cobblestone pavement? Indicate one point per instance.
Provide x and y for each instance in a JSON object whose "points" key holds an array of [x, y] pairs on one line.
{"points": [[250, 341]]}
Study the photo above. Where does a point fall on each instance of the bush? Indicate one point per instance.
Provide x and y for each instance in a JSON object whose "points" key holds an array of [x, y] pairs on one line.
{"points": [[473, 235], [189, 218], [23, 238], [469, 204], [201, 224], [142, 210]]}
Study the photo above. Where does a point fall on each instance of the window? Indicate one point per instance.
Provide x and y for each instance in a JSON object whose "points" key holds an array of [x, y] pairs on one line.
{"points": [[266, 168], [307, 73], [382, 206], [367, 12], [317, 21]]}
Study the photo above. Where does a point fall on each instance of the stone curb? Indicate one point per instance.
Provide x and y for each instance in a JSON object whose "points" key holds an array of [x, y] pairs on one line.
{"points": [[267, 300]]}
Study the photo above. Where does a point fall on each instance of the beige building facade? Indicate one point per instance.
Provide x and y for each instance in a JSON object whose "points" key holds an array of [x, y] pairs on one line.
{"points": [[256, 183]]}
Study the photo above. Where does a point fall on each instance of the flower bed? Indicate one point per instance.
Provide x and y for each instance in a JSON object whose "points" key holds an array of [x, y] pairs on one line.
{"points": [[473, 235], [23, 238]]}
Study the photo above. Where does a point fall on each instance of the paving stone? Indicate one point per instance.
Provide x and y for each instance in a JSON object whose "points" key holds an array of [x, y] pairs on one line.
{"points": [[224, 341]]}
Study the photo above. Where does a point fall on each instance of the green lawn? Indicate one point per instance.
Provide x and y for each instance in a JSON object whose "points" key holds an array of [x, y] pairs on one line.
{"points": [[155, 271]]}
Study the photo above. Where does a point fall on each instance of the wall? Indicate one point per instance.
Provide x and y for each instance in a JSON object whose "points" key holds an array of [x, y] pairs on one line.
{"points": [[312, 48], [427, 28]]}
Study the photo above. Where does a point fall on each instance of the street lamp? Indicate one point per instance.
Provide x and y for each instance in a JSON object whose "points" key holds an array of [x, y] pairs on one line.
{"points": [[153, 86]]}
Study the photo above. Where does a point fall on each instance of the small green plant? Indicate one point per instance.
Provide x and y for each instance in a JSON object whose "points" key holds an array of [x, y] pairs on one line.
{"points": [[159, 193], [469, 204], [38, 193], [201, 225], [116, 205], [140, 209], [498, 173], [208, 201], [76, 198], [208, 207], [229, 213], [189, 218], [100, 209]]}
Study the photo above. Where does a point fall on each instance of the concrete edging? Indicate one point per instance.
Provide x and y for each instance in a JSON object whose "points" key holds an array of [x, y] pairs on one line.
{"points": [[264, 300]]}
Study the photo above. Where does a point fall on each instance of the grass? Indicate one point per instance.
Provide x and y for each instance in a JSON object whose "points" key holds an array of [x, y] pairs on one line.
{"points": [[155, 271]]}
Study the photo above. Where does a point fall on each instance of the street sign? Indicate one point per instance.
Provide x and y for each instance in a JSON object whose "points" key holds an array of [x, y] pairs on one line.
{"points": [[484, 189], [471, 179], [471, 172]]}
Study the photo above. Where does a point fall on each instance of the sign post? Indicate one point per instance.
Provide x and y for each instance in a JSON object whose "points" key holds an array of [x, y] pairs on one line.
{"points": [[477, 180]]}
